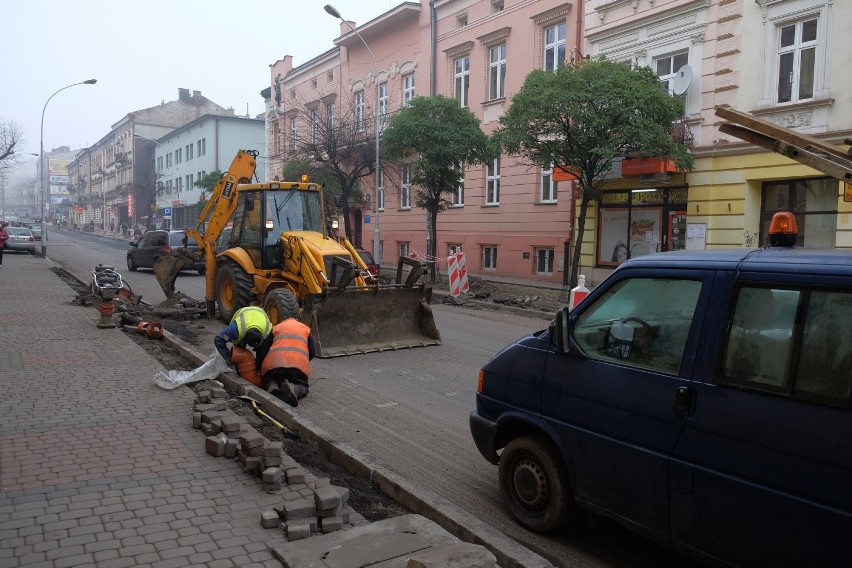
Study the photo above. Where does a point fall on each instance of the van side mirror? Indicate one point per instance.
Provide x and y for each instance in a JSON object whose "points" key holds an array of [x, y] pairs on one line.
{"points": [[560, 331]]}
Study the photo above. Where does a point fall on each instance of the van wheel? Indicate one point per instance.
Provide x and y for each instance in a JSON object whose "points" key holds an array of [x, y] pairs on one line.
{"points": [[233, 289], [535, 485]]}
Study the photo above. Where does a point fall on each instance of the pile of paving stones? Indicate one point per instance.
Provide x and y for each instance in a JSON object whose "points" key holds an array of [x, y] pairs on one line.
{"points": [[309, 504]]}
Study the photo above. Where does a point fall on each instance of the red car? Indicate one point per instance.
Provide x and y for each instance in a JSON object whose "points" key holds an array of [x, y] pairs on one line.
{"points": [[368, 259]]}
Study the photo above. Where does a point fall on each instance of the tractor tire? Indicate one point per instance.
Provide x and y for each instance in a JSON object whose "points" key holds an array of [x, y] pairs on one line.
{"points": [[535, 485], [280, 302], [233, 290]]}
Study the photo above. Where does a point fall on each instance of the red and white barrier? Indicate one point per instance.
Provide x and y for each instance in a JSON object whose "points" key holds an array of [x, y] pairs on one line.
{"points": [[457, 271]]}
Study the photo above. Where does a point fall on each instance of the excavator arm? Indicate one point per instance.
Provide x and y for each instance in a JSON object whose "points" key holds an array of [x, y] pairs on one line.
{"points": [[805, 149], [211, 222]]}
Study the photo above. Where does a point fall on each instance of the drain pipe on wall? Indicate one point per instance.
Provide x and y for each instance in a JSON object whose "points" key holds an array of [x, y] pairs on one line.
{"points": [[433, 47]]}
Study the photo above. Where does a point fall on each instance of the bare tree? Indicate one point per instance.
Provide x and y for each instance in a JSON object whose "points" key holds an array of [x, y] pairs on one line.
{"points": [[11, 139], [336, 138]]}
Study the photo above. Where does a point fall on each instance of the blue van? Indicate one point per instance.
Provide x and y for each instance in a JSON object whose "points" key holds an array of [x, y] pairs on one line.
{"points": [[699, 398]]}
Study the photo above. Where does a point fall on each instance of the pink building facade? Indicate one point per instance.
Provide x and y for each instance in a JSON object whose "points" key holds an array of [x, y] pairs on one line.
{"points": [[782, 60]]}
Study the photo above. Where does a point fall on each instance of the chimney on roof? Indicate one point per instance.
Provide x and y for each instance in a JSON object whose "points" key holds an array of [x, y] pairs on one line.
{"points": [[196, 93], [345, 29], [183, 94]]}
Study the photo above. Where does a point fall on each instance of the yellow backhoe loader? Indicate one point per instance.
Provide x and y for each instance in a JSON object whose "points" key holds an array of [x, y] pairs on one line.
{"points": [[280, 256]]}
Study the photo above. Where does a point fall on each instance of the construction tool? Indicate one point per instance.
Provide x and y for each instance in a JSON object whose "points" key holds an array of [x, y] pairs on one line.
{"points": [[287, 432]]}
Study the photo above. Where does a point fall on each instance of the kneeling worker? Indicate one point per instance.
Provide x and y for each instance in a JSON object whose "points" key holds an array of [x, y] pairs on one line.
{"points": [[284, 360], [248, 328]]}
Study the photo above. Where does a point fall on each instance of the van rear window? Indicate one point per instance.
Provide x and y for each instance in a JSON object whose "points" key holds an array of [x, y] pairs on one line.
{"points": [[794, 342]]}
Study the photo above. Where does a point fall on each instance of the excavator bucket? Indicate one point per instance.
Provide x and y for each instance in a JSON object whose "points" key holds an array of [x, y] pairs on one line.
{"points": [[371, 318], [166, 268]]}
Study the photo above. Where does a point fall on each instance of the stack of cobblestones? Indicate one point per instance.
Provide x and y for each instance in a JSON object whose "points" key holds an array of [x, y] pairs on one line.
{"points": [[309, 504]]}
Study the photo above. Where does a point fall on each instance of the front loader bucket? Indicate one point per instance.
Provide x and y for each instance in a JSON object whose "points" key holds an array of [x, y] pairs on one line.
{"points": [[371, 318]]}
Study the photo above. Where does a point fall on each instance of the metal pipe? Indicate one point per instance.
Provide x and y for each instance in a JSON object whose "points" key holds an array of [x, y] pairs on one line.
{"points": [[41, 164], [376, 233]]}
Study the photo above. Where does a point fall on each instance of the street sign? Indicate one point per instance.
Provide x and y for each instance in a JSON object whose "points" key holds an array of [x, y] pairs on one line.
{"points": [[167, 212], [366, 218]]}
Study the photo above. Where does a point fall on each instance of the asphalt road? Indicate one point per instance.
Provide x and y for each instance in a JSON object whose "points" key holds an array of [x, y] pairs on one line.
{"points": [[409, 410]]}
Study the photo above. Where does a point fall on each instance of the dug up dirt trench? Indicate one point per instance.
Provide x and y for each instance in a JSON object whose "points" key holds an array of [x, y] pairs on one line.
{"points": [[185, 317]]}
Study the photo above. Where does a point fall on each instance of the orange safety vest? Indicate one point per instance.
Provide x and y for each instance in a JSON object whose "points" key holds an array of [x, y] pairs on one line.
{"points": [[289, 348]]}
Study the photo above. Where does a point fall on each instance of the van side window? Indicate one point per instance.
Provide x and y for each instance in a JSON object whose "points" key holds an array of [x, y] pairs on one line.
{"points": [[808, 358], [641, 322], [760, 342]]}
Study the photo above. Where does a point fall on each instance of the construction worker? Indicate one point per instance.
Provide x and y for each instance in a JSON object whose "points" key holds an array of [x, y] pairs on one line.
{"points": [[284, 360], [248, 328]]}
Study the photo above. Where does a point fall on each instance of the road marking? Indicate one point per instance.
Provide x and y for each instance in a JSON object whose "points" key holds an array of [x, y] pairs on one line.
{"points": [[387, 404]]}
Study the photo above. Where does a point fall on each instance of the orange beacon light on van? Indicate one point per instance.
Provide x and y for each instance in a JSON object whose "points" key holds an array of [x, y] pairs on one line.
{"points": [[783, 230]]}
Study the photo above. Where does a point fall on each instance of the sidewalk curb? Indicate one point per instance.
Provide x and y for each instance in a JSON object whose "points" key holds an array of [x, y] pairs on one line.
{"points": [[459, 523]]}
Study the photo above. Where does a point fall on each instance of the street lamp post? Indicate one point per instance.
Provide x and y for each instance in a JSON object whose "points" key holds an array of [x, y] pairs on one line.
{"points": [[376, 235], [41, 165]]}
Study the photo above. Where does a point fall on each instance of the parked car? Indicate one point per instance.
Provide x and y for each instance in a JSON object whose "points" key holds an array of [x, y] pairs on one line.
{"points": [[367, 257], [701, 398], [35, 228], [154, 244], [20, 239]]}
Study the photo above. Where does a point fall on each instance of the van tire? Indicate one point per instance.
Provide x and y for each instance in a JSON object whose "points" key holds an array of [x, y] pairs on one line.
{"points": [[535, 485]]}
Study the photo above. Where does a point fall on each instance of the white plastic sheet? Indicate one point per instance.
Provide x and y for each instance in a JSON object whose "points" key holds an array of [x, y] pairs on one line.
{"points": [[208, 371]]}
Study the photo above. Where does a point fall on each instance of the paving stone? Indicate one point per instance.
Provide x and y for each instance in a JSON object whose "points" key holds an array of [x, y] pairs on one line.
{"points": [[299, 509], [230, 425], [218, 392], [272, 461], [273, 449], [196, 420], [272, 475], [298, 530], [231, 447], [327, 498], [269, 520], [251, 440], [214, 446], [331, 524], [295, 475]]}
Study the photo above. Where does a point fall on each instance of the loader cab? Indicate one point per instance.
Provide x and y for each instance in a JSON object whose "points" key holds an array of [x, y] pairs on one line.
{"points": [[265, 211]]}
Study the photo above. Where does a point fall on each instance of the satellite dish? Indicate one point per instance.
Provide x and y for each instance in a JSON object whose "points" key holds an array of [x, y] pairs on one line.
{"points": [[682, 80]]}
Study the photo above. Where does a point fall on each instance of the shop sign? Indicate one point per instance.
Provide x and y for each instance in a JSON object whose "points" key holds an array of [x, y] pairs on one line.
{"points": [[639, 166], [847, 191], [177, 202], [614, 198], [560, 174], [130, 204]]}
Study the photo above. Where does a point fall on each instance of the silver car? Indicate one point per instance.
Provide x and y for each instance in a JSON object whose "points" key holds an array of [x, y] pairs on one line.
{"points": [[20, 239]]}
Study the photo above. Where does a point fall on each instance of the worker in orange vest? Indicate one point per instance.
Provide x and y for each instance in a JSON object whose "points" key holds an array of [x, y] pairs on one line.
{"points": [[284, 360]]}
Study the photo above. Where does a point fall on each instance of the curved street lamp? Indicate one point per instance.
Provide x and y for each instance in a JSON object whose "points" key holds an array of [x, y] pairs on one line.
{"points": [[41, 164], [376, 236]]}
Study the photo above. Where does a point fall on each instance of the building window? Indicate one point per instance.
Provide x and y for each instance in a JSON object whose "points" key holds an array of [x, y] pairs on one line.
{"points": [[403, 250], [188, 182], [178, 155], [489, 258], [462, 80], [383, 106], [496, 6], [189, 149], [407, 88], [178, 185], [797, 44], [201, 146], [461, 20], [812, 201], [293, 131], [314, 83], [405, 188], [330, 111], [169, 160], [667, 68], [554, 47], [492, 182], [544, 261], [359, 111], [329, 77], [497, 72], [159, 163], [457, 197], [381, 203], [548, 185], [314, 125]]}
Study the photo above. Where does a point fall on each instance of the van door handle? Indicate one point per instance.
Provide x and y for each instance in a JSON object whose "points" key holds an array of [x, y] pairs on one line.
{"points": [[681, 402]]}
